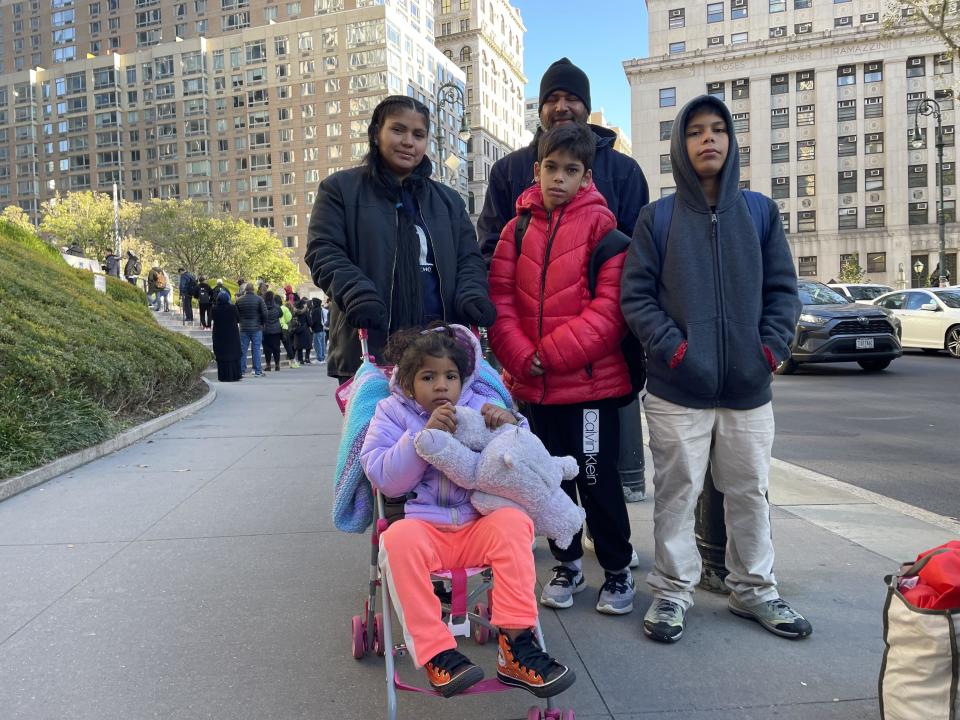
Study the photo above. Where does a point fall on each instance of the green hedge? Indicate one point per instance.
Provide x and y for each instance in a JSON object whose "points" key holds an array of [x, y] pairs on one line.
{"points": [[78, 365]]}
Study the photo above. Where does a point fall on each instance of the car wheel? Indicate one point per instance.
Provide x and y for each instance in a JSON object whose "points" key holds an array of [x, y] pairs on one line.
{"points": [[787, 367], [874, 365], [953, 341]]}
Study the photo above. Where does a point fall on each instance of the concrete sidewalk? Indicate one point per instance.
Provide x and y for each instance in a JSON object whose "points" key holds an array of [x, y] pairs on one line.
{"points": [[197, 574]]}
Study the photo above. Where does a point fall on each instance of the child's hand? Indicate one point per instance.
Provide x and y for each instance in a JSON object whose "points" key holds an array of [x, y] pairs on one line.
{"points": [[535, 367], [496, 416], [443, 418]]}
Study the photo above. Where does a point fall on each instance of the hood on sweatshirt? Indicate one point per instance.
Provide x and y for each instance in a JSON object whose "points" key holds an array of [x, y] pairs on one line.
{"points": [[685, 177], [471, 343]]}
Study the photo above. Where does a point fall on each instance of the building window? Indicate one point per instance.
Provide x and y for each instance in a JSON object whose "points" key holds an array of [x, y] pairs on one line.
{"points": [[715, 41], [917, 176], [741, 122], [785, 221], [779, 118], [677, 47], [778, 32], [873, 144], [668, 97], [875, 216], [744, 156], [847, 220], [738, 9], [949, 210], [738, 38], [806, 115], [777, 6], [847, 146], [806, 80], [807, 266], [714, 12], [873, 107], [780, 152], [918, 142], [847, 75], [948, 137], [871, 17], [841, 22], [913, 100], [780, 188], [665, 166], [666, 129], [717, 90], [918, 214], [943, 64], [779, 84], [873, 179], [916, 66], [741, 89], [949, 174], [876, 262], [678, 18], [807, 221], [806, 150], [806, 185], [945, 98], [803, 28], [873, 72]]}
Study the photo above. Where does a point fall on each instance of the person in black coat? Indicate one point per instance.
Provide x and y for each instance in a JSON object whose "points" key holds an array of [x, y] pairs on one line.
{"points": [[205, 298], [391, 247], [226, 340], [272, 332], [301, 332]]}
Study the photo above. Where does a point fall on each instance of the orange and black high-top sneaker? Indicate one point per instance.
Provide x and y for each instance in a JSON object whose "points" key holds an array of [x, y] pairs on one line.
{"points": [[450, 672], [523, 664]]}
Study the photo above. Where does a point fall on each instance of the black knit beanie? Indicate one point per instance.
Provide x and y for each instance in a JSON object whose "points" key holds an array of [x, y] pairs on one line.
{"points": [[564, 75]]}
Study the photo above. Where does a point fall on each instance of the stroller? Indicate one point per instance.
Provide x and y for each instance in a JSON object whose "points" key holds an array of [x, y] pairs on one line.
{"points": [[466, 612]]}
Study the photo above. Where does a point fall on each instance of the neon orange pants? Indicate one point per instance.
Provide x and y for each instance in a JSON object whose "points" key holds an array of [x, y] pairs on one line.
{"points": [[411, 549]]}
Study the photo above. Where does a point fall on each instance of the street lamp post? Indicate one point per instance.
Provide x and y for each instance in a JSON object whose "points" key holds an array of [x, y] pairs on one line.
{"points": [[450, 94], [926, 107], [918, 268]]}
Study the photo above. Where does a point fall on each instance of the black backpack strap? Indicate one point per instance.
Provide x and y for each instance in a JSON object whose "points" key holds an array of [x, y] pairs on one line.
{"points": [[611, 244], [520, 229]]}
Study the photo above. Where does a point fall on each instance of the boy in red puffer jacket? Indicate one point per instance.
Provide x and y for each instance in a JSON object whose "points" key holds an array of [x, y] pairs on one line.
{"points": [[558, 340]]}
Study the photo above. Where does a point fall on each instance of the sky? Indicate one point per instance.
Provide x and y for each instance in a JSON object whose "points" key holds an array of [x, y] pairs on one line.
{"points": [[617, 32]]}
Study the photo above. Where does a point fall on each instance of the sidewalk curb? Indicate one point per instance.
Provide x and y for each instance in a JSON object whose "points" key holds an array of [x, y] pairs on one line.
{"points": [[931, 518], [14, 485]]}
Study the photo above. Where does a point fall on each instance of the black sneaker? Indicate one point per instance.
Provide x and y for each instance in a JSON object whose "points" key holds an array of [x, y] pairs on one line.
{"points": [[450, 672], [522, 663]]}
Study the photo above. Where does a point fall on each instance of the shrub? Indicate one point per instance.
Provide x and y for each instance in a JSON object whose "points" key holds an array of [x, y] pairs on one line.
{"points": [[77, 365]]}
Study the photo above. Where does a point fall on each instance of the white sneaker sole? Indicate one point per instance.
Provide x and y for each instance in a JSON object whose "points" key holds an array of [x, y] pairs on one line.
{"points": [[560, 605], [610, 610]]}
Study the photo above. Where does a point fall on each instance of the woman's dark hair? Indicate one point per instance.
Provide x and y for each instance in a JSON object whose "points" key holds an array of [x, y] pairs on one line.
{"points": [[574, 139], [278, 300], [390, 105], [268, 297], [201, 279], [407, 348], [315, 302]]}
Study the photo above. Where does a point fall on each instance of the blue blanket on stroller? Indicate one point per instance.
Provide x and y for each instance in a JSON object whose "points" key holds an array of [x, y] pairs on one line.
{"points": [[353, 509]]}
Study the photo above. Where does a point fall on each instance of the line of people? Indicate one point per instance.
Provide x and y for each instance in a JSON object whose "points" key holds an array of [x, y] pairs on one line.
{"points": [[576, 257]]}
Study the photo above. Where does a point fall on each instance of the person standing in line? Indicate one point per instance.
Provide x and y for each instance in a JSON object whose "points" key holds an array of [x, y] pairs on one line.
{"points": [[285, 317], [205, 299], [226, 340], [252, 316], [111, 264], [153, 296], [319, 333], [559, 343], [715, 306], [272, 332], [300, 332], [221, 289], [132, 268], [188, 286]]}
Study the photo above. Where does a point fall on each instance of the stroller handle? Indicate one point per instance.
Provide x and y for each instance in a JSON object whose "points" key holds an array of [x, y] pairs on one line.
{"points": [[364, 347]]}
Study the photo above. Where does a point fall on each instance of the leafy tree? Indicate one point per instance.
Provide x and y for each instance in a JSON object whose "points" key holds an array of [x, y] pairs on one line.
{"points": [[87, 219], [179, 231], [941, 17], [250, 252], [851, 272], [17, 216]]}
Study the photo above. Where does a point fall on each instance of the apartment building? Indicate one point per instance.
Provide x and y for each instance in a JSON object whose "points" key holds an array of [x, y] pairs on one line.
{"points": [[823, 104], [531, 115], [244, 105], [622, 143], [485, 38]]}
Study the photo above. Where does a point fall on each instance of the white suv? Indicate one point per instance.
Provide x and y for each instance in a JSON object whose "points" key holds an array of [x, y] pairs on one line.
{"points": [[864, 293]]}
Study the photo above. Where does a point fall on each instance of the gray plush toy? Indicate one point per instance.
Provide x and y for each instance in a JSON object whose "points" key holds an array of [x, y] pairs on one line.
{"points": [[506, 467]]}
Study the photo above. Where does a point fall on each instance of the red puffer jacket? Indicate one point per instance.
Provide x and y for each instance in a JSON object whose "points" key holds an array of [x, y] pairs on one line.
{"points": [[544, 305]]}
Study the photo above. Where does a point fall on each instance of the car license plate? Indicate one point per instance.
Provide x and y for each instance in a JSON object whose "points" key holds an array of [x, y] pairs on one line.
{"points": [[864, 343]]}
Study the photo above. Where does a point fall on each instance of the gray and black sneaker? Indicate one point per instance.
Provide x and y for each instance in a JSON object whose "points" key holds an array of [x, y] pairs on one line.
{"points": [[616, 595], [567, 581], [775, 615], [664, 621]]}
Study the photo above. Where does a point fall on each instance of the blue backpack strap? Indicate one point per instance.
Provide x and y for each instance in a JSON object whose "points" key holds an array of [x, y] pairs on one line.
{"points": [[662, 215], [759, 212]]}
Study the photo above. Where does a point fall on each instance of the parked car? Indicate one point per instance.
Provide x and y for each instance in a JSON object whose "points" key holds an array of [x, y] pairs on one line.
{"points": [[930, 317], [831, 329], [864, 293]]}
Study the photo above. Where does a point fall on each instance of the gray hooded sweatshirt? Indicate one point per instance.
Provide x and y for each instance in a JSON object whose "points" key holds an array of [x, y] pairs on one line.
{"points": [[719, 287]]}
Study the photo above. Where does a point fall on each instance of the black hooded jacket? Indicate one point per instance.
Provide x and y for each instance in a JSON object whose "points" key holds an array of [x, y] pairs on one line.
{"points": [[352, 252], [617, 176], [726, 292]]}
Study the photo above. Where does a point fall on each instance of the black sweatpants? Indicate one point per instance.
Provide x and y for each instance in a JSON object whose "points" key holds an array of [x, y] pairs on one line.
{"points": [[206, 317], [590, 432], [271, 349], [187, 303]]}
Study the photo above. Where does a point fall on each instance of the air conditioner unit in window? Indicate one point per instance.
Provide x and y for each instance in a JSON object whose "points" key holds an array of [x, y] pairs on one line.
{"points": [[921, 206], [948, 130], [878, 209], [919, 169], [849, 174], [780, 181]]}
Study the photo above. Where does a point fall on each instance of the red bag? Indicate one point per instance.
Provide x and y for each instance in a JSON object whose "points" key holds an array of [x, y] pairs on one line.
{"points": [[938, 587]]}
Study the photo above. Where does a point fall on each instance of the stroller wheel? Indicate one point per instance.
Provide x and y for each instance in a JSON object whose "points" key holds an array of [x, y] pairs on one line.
{"points": [[378, 645], [359, 637], [481, 633], [535, 713]]}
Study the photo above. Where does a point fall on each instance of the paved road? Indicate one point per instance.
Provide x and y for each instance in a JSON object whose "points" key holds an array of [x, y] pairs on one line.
{"points": [[893, 432]]}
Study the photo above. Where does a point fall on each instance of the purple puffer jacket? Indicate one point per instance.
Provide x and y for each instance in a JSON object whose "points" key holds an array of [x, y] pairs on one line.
{"points": [[390, 460]]}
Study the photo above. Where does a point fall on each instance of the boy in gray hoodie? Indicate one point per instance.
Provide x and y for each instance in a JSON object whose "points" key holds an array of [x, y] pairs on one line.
{"points": [[714, 302]]}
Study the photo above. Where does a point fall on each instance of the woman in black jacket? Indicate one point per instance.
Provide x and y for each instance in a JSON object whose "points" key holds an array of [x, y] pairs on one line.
{"points": [[272, 332], [226, 340], [391, 247]]}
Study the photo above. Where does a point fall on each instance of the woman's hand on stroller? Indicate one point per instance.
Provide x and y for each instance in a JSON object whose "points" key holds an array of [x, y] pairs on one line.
{"points": [[496, 416], [368, 313], [443, 418]]}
